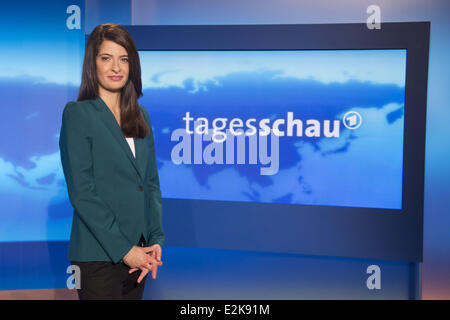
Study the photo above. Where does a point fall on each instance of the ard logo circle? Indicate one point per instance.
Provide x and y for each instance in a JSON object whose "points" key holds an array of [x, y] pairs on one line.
{"points": [[352, 120]]}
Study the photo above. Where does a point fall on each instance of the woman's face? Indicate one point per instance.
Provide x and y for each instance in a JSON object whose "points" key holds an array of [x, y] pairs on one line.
{"points": [[112, 66]]}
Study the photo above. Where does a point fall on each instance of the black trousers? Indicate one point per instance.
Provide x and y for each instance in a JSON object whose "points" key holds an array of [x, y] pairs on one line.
{"points": [[103, 280]]}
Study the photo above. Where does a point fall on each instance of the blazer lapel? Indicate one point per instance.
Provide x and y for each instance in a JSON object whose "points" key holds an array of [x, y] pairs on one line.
{"points": [[111, 123]]}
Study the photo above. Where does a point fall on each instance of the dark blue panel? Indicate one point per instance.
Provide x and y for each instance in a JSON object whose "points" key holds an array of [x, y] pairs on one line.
{"points": [[107, 11], [33, 265]]}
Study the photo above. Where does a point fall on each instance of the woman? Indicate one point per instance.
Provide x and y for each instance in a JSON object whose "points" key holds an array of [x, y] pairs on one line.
{"points": [[108, 158]]}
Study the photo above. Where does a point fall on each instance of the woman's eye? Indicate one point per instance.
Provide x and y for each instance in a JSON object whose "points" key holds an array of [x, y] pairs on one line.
{"points": [[125, 60], [104, 58]]}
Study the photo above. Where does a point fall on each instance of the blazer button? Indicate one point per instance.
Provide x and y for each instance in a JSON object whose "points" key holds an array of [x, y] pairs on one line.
{"points": [[141, 188]]}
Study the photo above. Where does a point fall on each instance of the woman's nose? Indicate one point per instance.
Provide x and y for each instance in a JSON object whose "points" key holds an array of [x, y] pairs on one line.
{"points": [[115, 66]]}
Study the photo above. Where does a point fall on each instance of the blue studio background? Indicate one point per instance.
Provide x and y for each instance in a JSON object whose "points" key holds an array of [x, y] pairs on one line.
{"points": [[40, 71]]}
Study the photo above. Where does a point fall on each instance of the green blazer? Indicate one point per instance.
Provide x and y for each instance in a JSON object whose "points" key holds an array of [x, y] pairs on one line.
{"points": [[116, 197]]}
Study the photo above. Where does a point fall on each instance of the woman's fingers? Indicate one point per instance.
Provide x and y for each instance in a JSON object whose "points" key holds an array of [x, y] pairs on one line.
{"points": [[147, 266], [153, 267], [133, 270], [146, 269], [149, 249], [152, 260], [142, 275], [158, 253], [154, 251], [154, 270]]}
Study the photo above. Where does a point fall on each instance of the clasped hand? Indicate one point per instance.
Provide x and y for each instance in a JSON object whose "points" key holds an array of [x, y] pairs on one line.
{"points": [[145, 259]]}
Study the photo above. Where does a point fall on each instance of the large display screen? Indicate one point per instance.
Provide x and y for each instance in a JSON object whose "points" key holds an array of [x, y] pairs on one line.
{"points": [[315, 127], [296, 139]]}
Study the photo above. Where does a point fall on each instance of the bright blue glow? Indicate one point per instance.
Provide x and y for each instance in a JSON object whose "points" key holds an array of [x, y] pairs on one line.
{"points": [[40, 71], [38, 45], [360, 168]]}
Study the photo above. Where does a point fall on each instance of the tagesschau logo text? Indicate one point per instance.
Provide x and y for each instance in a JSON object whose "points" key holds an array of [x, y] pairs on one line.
{"points": [[223, 135]]}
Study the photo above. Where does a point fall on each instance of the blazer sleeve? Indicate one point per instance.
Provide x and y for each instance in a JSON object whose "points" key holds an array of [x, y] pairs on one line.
{"points": [[76, 159], [156, 235]]}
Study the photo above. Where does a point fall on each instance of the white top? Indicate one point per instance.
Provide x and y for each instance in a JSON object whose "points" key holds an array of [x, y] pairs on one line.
{"points": [[131, 144]]}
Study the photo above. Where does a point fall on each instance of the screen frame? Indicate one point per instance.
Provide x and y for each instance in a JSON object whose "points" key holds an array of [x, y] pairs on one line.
{"points": [[306, 229]]}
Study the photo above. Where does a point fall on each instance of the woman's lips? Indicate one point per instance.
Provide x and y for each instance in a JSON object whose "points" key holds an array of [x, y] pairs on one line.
{"points": [[115, 78]]}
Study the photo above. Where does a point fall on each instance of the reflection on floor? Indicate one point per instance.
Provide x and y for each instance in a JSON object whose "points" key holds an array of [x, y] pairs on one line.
{"points": [[40, 294]]}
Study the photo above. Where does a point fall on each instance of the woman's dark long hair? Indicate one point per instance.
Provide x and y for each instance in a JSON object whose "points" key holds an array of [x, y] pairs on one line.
{"points": [[132, 121]]}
